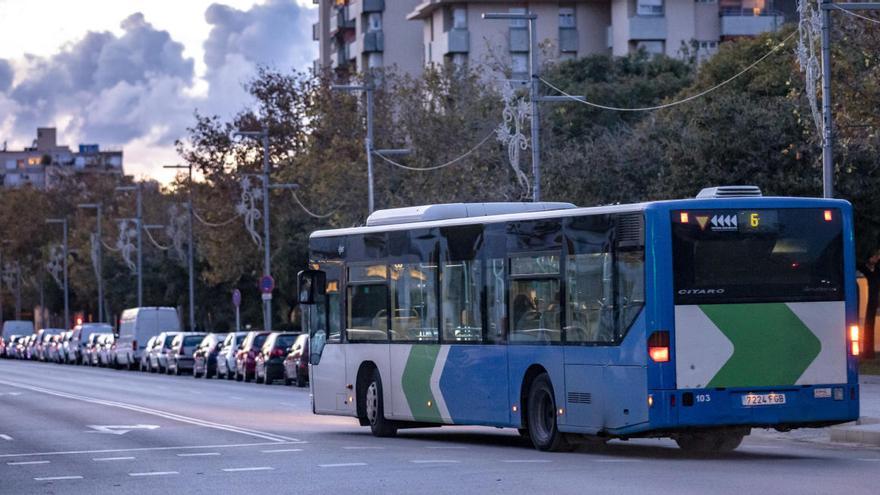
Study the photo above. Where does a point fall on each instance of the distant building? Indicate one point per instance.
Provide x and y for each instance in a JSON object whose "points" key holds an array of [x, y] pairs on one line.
{"points": [[354, 35], [44, 162]]}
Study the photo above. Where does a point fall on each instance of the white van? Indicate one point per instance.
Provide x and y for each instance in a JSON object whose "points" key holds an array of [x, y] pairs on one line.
{"points": [[136, 327], [17, 327]]}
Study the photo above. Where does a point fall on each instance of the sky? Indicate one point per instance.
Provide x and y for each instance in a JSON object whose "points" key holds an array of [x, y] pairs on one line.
{"points": [[130, 74]]}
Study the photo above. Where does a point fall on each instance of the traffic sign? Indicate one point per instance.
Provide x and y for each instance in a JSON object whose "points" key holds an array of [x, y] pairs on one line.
{"points": [[236, 298], [267, 284]]}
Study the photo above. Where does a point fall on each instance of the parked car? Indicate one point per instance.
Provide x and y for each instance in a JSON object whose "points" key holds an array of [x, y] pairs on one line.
{"points": [[245, 358], [180, 356], [205, 355], [144, 362], [2, 347], [159, 353], [89, 350], [11, 343], [55, 347], [79, 337], [226, 355], [44, 344], [104, 348], [269, 362], [17, 327], [30, 350], [64, 353], [296, 364], [136, 326]]}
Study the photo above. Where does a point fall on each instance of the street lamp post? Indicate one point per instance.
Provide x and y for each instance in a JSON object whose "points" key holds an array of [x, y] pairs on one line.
{"points": [[63, 222], [267, 262], [139, 220], [99, 268], [533, 92], [192, 290], [368, 90]]}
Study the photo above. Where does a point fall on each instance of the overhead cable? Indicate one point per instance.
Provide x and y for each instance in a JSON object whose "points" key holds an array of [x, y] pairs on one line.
{"points": [[308, 212], [211, 224], [679, 102], [854, 14], [435, 167]]}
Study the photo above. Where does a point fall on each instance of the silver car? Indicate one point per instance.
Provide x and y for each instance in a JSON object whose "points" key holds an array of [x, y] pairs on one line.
{"points": [[144, 362], [159, 352], [226, 356]]}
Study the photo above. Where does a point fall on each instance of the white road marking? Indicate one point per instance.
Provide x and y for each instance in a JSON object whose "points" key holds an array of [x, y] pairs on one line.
{"points": [[198, 454], [107, 459], [356, 447], [617, 460], [260, 468], [344, 464], [445, 447], [6, 437], [289, 404], [518, 461], [154, 473], [280, 450], [144, 449], [155, 412], [26, 463], [434, 461], [119, 429], [57, 478], [869, 460]]}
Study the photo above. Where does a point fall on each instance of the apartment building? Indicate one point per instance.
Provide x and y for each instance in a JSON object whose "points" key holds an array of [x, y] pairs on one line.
{"points": [[45, 161], [360, 34]]}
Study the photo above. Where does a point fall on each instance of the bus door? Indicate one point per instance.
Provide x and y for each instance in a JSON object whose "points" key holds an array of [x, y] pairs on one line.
{"points": [[321, 315]]}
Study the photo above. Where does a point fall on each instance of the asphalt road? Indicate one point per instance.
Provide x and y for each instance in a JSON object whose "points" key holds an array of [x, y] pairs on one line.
{"points": [[67, 429]]}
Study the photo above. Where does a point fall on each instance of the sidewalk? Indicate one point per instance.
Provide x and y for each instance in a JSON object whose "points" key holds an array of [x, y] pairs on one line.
{"points": [[867, 429]]}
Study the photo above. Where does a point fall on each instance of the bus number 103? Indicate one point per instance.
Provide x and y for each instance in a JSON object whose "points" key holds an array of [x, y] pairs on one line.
{"points": [[703, 398]]}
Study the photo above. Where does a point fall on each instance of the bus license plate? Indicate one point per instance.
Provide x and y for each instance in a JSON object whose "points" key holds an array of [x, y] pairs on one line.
{"points": [[763, 399]]}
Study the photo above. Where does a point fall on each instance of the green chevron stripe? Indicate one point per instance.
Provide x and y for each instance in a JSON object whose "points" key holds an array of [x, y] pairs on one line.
{"points": [[772, 346], [416, 383]]}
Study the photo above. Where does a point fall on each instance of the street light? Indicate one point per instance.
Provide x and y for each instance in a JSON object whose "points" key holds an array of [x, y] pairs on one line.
{"points": [[99, 268], [63, 222], [267, 263], [368, 90], [533, 93], [139, 220], [192, 290]]}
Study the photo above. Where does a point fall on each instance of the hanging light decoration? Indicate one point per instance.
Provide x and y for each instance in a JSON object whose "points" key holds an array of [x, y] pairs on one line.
{"points": [[125, 245], [247, 208], [510, 132]]}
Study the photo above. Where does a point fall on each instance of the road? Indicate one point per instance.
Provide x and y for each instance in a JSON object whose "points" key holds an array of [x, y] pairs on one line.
{"points": [[67, 429]]}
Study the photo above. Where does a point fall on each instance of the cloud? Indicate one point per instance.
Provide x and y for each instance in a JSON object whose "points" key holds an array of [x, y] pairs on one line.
{"points": [[138, 88]]}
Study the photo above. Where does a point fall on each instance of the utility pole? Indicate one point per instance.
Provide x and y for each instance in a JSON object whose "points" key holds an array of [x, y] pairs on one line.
{"points": [[368, 88], [139, 220], [533, 92], [827, 117], [99, 262], [1, 285], [192, 290], [63, 222], [267, 186], [17, 290]]}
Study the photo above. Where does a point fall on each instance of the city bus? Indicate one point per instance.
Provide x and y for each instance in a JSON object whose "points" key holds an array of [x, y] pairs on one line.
{"points": [[695, 319]]}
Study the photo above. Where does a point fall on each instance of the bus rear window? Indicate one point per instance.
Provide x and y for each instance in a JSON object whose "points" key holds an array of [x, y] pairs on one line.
{"points": [[761, 255]]}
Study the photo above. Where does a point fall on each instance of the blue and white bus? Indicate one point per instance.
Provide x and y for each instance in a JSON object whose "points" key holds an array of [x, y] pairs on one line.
{"points": [[696, 319]]}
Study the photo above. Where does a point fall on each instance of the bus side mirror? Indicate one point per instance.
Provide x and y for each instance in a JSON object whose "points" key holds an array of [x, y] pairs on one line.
{"points": [[310, 284]]}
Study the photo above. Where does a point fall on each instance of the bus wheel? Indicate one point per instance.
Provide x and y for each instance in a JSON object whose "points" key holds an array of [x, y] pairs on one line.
{"points": [[375, 409], [541, 417], [708, 442]]}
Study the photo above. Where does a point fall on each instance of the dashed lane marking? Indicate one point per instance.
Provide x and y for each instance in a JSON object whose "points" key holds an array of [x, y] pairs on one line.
{"points": [[58, 478], [525, 461], [869, 460], [154, 473], [617, 460], [357, 447], [257, 468], [445, 447], [109, 459], [434, 461], [343, 464], [146, 449], [6, 437], [273, 451], [26, 463], [198, 454]]}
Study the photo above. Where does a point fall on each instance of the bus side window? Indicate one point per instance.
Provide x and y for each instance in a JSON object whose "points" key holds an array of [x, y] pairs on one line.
{"points": [[462, 318], [334, 321], [414, 302], [534, 295], [589, 305], [496, 303], [367, 295]]}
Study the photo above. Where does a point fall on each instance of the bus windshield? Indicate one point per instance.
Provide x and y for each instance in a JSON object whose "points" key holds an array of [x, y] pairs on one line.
{"points": [[761, 255]]}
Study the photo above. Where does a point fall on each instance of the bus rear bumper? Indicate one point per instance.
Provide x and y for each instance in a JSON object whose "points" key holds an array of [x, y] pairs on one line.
{"points": [[804, 406]]}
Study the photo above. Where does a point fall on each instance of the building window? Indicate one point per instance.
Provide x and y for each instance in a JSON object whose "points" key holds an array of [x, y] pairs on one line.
{"points": [[519, 63], [374, 60], [651, 47], [459, 18], [462, 318], [518, 23], [414, 302], [650, 7], [566, 17], [374, 22]]}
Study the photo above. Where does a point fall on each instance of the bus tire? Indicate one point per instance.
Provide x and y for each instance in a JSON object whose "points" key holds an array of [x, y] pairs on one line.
{"points": [[375, 409], [541, 417], [711, 442]]}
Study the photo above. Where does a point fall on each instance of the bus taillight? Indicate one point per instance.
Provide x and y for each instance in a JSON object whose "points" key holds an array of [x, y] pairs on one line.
{"points": [[854, 339], [658, 346]]}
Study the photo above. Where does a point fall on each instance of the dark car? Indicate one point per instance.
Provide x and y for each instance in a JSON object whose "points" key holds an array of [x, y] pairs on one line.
{"points": [[296, 364], [180, 355], [269, 363], [245, 359], [205, 355]]}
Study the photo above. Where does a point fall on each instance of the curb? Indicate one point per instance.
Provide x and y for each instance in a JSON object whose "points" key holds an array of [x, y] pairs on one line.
{"points": [[865, 431]]}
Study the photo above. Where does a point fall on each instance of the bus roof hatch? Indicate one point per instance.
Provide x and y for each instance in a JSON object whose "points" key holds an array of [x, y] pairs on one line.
{"points": [[427, 213], [730, 192]]}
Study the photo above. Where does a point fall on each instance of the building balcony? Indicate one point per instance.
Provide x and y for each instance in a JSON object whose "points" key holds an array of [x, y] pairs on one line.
{"points": [[568, 40], [647, 27], [736, 22], [374, 41], [454, 41], [373, 6], [340, 22]]}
